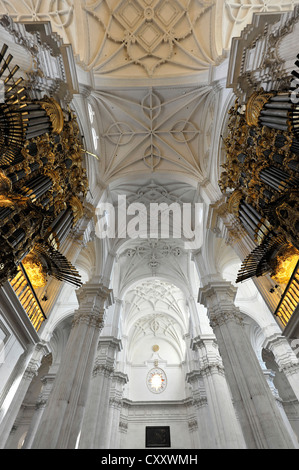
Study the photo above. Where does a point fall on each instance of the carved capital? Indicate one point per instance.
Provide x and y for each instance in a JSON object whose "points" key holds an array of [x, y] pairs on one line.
{"points": [[91, 298], [31, 370], [220, 318], [218, 297], [211, 369], [290, 369], [115, 403], [92, 319], [102, 369], [283, 352], [121, 378], [199, 402], [41, 404], [193, 377], [193, 425], [217, 294]]}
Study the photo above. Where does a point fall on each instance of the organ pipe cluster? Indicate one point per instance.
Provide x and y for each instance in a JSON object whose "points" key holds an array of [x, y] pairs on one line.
{"points": [[42, 182], [261, 176]]}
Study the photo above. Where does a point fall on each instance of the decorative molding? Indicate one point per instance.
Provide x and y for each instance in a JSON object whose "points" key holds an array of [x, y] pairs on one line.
{"points": [[123, 426], [211, 369], [94, 320]]}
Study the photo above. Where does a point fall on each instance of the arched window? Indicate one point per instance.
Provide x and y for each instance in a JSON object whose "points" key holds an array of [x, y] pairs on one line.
{"points": [[90, 112], [95, 137]]}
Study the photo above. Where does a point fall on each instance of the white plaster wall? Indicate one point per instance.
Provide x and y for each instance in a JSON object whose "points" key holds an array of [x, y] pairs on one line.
{"points": [[179, 435], [137, 388], [143, 359], [139, 415]]}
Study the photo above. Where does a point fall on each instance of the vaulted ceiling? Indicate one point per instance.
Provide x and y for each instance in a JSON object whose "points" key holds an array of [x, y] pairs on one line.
{"points": [[155, 310], [148, 38], [156, 105], [150, 63], [148, 129]]}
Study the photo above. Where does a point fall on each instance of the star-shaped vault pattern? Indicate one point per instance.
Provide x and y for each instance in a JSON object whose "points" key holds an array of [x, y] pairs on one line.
{"points": [[148, 131]]}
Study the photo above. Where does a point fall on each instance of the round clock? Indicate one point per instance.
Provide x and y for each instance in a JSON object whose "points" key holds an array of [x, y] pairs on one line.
{"points": [[156, 380]]}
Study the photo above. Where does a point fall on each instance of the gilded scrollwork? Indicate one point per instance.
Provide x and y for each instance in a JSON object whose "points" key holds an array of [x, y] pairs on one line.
{"points": [[54, 112], [255, 104], [260, 174], [234, 202]]}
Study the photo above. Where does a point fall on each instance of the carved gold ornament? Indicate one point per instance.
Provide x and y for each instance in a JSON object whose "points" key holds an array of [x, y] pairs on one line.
{"points": [[254, 106], [5, 183], [54, 112], [77, 208], [35, 270], [234, 202]]}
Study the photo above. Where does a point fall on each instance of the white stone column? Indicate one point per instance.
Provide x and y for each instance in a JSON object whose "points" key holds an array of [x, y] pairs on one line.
{"points": [[47, 381], [269, 375], [96, 417], [226, 432], [259, 416], [15, 405], [115, 326], [62, 419], [285, 358]]}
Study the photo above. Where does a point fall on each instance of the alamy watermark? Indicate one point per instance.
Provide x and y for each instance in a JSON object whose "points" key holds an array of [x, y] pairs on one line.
{"points": [[155, 220]]}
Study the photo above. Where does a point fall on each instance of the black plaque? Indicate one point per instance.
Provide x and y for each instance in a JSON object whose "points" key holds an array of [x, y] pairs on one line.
{"points": [[157, 436]]}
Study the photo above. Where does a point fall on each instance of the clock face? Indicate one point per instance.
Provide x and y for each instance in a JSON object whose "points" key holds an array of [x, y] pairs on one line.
{"points": [[156, 380]]}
